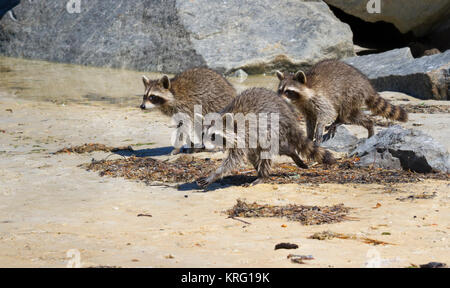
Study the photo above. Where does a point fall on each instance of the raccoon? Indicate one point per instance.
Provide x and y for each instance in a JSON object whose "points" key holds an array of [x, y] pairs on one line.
{"points": [[292, 141], [333, 91], [197, 86]]}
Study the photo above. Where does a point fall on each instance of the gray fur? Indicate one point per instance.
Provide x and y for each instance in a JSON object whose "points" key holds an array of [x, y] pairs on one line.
{"points": [[333, 91], [197, 86], [291, 137]]}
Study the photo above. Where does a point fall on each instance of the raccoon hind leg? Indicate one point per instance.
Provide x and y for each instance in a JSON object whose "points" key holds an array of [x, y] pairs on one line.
{"points": [[291, 152], [262, 166], [234, 158], [359, 118]]}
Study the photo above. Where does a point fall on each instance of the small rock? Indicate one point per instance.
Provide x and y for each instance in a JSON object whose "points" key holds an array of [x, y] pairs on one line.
{"points": [[434, 265], [286, 246], [343, 141], [241, 75], [399, 148]]}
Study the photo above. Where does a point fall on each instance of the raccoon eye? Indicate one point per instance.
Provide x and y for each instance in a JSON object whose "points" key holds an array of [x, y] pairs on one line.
{"points": [[291, 94], [213, 137]]}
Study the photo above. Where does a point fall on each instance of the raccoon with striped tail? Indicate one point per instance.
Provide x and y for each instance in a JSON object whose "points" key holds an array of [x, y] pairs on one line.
{"points": [[197, 86], [334, 92], [291, 139]]}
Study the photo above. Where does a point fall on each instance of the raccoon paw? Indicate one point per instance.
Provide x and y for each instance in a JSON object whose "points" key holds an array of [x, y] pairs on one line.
{"points": [[175, 151], [256, 182], [330, 134], [194, 150]]}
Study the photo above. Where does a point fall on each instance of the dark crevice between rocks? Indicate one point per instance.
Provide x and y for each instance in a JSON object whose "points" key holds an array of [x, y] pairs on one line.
{"points": [[411, 161], [381, 36]]}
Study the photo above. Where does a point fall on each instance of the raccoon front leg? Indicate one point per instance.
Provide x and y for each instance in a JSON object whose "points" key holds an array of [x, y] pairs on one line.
{"points": [[332, 129], [318, 135], [310, 127], [233, 159]]}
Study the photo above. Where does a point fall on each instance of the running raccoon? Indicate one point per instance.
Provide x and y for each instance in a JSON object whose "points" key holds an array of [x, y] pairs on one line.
{"points": [[335, 91], [197, 86], [261, 101]]}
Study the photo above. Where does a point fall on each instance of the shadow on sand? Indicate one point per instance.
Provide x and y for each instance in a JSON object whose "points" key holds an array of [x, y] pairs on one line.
{"points": [[160, 151], [229, 181]]}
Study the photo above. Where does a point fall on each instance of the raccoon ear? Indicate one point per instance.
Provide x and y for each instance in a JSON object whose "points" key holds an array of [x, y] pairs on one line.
{"points": [[300, 76], [165, 81], [145, 80], [280, 75]]}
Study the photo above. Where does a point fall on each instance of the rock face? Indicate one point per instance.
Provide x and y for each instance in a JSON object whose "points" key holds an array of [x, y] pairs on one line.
{"points": [[264, 35], [417, 16], [408, 149], [343, 141], [426, 78], [172, 35]]}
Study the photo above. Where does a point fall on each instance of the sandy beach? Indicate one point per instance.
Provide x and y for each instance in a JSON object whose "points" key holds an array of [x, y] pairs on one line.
{"points": [[51, 209]]}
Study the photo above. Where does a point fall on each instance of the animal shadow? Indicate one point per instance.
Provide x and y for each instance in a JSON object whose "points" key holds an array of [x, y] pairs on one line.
{"points": [[159, 151], [228, 181]]}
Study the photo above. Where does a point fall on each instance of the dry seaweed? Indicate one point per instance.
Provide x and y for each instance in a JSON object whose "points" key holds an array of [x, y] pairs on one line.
{"points": [[299, 258], [426, 109], [91, 147], [149, 170], [286, 246], [307, 215], [328, 235], [418, 196], [187, 169]]}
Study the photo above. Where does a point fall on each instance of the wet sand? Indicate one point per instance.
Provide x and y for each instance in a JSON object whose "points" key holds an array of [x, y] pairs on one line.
{"points": [[49, 205]]}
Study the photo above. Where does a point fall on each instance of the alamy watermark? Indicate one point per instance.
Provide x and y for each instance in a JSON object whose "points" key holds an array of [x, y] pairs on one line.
{"points": [[374, 6], [214, 130], [74, 257], [73, 6]]}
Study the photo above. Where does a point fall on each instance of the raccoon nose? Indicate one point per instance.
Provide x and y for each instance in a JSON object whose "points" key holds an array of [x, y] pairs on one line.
{"points": [[142, 106]]}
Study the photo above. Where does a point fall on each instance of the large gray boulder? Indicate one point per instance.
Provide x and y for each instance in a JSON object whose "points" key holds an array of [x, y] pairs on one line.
{"points": [[408, 149], [343, 141], [172, 35], [264, 35], [425, 78], [418, 16]]}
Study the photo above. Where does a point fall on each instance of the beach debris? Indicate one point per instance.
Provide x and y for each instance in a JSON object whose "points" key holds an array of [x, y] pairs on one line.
{"points": [[307, 215], [286, 246], [104, 267], [153, 171], [426, 109], [187, 169], [434, 265], [418, 196], [240, 220], [91, 147], [328, 235], [299, 258], [403, 149], [144, 215]]}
